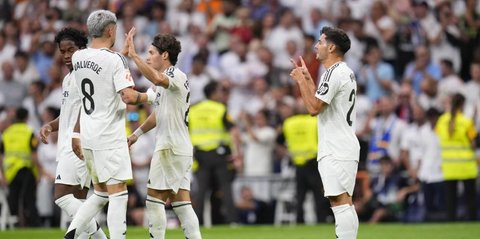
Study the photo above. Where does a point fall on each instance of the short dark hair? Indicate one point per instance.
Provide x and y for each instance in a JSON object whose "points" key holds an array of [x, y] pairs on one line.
{"points": [[168, 43], [72, 34], [338, 37], [21, 114], [21, 54], [210, 88], [53, 111]]}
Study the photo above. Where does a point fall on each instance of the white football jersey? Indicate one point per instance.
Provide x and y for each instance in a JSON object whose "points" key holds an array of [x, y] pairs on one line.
{"points": [[68, 116], [100, 75], [336, 124], [171, 111]]}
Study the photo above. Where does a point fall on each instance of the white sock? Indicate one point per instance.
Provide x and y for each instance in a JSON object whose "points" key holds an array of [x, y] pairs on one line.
{"points": [[356, 223], [346, 221], [117, 215], [84, 216], [157, 218], [188, 219]]}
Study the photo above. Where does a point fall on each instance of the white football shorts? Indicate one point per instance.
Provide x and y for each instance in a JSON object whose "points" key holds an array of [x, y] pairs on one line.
{"points": [[109, 163], [72, 171], [169, 171], [338, 176]]}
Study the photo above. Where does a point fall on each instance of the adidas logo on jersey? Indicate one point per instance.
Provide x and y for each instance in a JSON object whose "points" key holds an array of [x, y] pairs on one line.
{"points": [[58, 177]]}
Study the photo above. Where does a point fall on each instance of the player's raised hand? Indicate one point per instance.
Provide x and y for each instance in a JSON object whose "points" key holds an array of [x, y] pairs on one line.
{"points": [[129, 42], [296, 72], [131, 139], [45, 132]]}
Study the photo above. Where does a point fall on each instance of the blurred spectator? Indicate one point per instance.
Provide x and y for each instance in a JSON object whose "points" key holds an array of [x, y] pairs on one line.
{"points": [[185, 16], [315, 20], [258, 9], [377, 75], [198, 79], [429, 97], [382, 27], [386, 134], [250, 210], [390, 190], [43, 60], [34, 104], [25, 71], [243, 28], [7, 51], [157, 16], [239, 68], [469, 24], [446, 40], [221, 25], [457, 133], [309, 56], [13, 91], [422, 68], [258, 98], [472, 96], [18, 155], [48, 165], [286, 31], [450, 82], [430, 169], [405, 100], [259, 141], [54, 88]]}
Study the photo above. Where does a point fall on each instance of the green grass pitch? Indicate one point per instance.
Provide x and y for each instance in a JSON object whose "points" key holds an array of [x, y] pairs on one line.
{"points": [[324, 231]]}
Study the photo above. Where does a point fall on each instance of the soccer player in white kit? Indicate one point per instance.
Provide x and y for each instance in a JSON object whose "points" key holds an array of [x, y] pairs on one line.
{"points": [[334, 103], [104, 82], [72, 180], [173, 156]]}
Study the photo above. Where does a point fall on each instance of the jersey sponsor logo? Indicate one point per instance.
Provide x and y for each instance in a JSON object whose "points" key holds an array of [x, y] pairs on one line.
{"points": [[128, 76], [323, 89], [169, 72]]}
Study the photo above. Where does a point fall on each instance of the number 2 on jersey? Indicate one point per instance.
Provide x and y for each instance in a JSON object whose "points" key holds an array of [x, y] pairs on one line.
{"points": [[88, 96], [349, 114]]}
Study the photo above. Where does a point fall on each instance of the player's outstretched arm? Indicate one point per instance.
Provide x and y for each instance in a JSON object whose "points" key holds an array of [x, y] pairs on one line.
{"points": [[307, 88], [48, 128], [149, 124], [133, 97]]}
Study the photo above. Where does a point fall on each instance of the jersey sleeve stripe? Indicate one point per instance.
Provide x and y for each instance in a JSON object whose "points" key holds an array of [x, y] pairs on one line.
{"points": [[329, 73], [125, 64]]}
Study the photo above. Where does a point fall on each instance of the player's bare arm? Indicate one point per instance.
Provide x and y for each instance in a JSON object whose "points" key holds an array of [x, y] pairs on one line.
{"points": [[149, 124], [157, 78], [307, 88], [76, 146], [48, 128], [133, 97]]}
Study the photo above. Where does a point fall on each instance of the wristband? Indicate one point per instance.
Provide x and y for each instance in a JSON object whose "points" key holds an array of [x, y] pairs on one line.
{"points": [[75, 135], [151, 95], [138, 132]]}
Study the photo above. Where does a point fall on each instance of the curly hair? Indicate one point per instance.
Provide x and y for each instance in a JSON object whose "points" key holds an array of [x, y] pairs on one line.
{"points": [[72, 34], [168, 43]]}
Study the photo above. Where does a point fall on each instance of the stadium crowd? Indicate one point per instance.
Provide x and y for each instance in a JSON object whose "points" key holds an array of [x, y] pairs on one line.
{"points": [[417, 64]]}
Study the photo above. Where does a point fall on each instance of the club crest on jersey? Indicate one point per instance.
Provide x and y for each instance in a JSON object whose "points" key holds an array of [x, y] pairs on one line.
{"points": [[323, 89]]}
